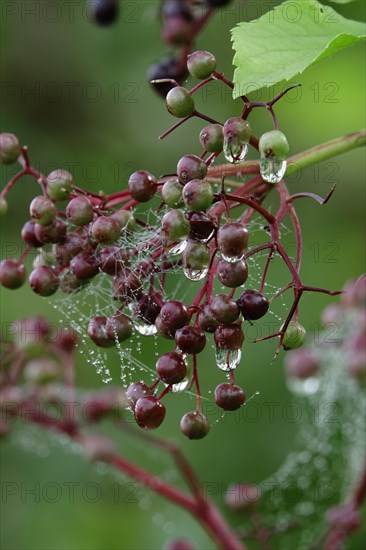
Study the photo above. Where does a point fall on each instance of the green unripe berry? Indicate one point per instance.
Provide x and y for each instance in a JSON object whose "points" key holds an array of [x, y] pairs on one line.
{"points": [[179, 102], [212, 138], [198, 195], [274, 144], [9, 148], [3, 206], [201, 64], [196, 256], [171, 193], [42, 210], [294, 336], [175, 225], [59, 184]]}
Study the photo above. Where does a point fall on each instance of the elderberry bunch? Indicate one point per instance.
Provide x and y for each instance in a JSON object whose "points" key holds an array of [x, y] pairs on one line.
{"points": [[80, 235]]}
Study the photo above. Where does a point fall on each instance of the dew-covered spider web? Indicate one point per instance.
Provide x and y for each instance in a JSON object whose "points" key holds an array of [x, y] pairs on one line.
{"points": [[329, 449]]}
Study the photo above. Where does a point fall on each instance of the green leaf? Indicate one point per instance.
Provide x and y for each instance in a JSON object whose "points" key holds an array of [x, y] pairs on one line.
{"points": [[286, 40]]}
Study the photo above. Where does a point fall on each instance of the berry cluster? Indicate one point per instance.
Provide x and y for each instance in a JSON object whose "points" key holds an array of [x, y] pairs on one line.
{"points": [[79, 233]]}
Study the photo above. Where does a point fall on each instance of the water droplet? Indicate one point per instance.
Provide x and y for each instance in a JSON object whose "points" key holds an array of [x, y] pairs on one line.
{"points": [[303, 387], [232, 259], [194, 274], [178, 248], [227, 360], [181, 386], [146, 329], [272, 170], [234, 150]]}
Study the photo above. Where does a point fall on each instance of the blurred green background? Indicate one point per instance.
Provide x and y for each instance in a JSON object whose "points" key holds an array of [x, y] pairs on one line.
{"points": [[77, 95]]}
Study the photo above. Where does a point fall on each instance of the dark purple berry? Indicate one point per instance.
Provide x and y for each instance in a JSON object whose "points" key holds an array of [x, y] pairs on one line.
{"points": [[125, 219], [142, 186], [12, 274], [176, 31], [206, 320], [135, 391], [201, 64], [232, 275], [174, 314], [229, 397], [28, 234], [179, 102], [191, 167], [149, 412], [194, 425], [190, 340], [112, 259], [253, 305], [55, 232], [97, 332], [224, 309], [162, 330], [64, 253], [106, 230], [42, 210], [232, 241], [127, 284], [229, 337], [104, 12], [149, 306], [84, 265], [166, 68], [44, 281], [202, 225], [118, 327], [79, 211], [171, 368]]}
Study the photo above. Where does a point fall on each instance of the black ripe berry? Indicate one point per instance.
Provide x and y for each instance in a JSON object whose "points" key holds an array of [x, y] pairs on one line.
{"points": [[229, 397], [142, 185], [135, 391], [253, 305], [171, 368], [167, 68], [174, 315], [149, 412], [229, 337], [190, 340], [104, 12]]}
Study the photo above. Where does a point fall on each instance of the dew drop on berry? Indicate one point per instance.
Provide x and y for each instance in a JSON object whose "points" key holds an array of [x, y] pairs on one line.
{"points": [[234, 151], [227, 360], [195, 274], [178, 248], [272, 170]]}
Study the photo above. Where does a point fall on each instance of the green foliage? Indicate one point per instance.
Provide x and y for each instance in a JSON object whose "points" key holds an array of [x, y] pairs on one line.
{"points": [[286, 40]]}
